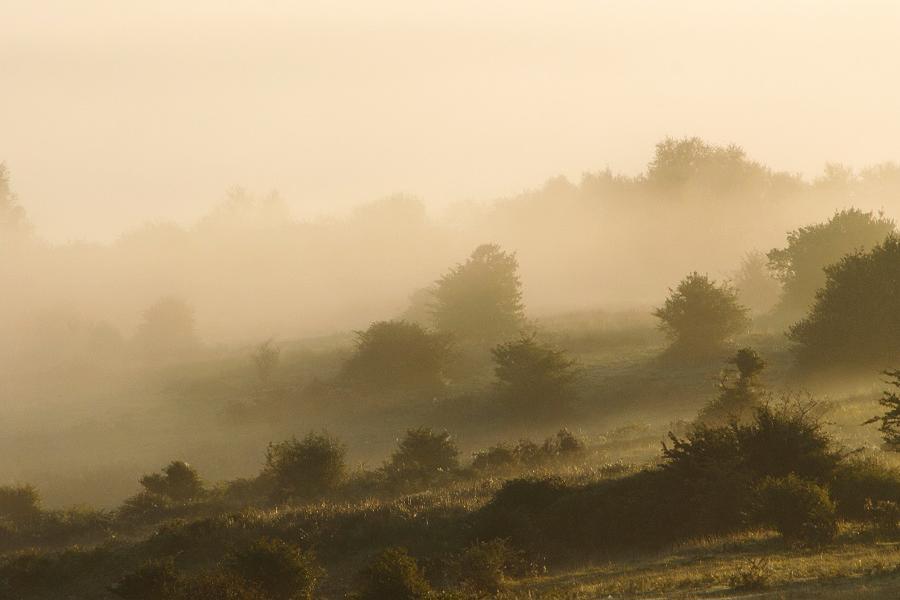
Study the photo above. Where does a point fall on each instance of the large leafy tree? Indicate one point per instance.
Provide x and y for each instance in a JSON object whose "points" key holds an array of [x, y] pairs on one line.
{"points": [[700, 315], [855, 321], [801, 265], [481, 300]]}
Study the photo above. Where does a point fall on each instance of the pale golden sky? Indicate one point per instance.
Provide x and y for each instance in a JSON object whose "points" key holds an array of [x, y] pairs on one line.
{"points": [[113, 113]]}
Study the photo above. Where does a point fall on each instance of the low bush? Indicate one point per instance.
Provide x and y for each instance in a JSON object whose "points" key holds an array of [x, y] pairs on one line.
{"points": [[483, 566], [753, 575], [422, 458], [857, 481], [216, 585], [393, 575], [307, 469], [884, 515], [799, 510], [153, 580], [280, 570]]}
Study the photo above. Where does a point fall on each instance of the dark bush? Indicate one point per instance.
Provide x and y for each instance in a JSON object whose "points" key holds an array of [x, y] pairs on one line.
{"points": [[392, 355], [19, 503], [564, 445], [153, 580], [393, 575], [737, 398], [280, 570], [146, 506], [799, 510], [307, 469], [178, 481], [422, 458], [857, 481], [483, 566], [496, 459], [534, 380], [884, 515]]}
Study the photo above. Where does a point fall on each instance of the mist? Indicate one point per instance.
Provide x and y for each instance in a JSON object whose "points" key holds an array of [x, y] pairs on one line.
{"points": [[521, 298]]}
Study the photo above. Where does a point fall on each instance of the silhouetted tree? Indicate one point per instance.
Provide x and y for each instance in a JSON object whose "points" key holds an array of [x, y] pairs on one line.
{"points": [[856, 316], [422, 457], [481, 300], [700, 316], [178, 481], [305, 469], [890, 420], [167, 329], [536, 380], [395, 354], [801, 265]]}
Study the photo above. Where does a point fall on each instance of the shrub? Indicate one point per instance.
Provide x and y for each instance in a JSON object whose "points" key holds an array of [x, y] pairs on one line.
{"points": [[306, 469], [393, 575], [483, 566], [535, 380], [19, 503], [154, 580], [799, 510], [564, 445], [266, 357], [495, 459], [392, 355], [858, 481], [280, 570], [146, 506], [178, 481], [699, 315], [884, 515], [422, 457]]}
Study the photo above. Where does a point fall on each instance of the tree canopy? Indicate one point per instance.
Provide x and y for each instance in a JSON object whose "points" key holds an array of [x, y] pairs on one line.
{"points": [[481, 299], [536, 379], [855, 321], [800, 266], [700, 315]]}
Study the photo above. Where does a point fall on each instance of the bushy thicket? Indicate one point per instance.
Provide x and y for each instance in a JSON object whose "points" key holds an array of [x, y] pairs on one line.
{"points": [[305, 469], [280, 570], [178, 481], [716, 468], [737, 398], [525, 454], [393, 575], [19, 503], [800, 510], [423, 458]]}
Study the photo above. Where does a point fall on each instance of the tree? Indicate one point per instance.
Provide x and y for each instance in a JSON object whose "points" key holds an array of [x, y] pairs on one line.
{"points": [[178, 481], [167, 330], [534, 378], [756, 288], [890, 420], [422, 457], [801, 265], [396, 354], [856, 316], [306, 469], [19, 503], [699, 315], [480, 300], [266, 358]]}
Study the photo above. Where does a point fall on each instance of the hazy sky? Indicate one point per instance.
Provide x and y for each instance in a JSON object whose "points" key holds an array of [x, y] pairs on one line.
{"points": [[113, 113]]}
